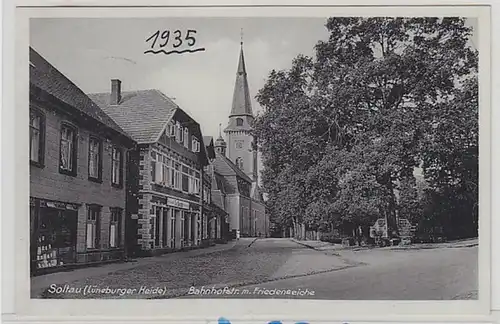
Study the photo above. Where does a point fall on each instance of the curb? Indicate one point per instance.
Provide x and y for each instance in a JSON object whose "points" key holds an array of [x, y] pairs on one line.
{"points": [[414, 247], [350, 263], [249, 245]]}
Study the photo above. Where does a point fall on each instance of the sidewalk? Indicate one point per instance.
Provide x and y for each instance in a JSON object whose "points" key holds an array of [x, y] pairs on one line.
{"points": [[40, 283]]}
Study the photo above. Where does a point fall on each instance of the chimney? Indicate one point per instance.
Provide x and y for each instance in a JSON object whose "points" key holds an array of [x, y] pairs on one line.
{"points": [[116, 91]]}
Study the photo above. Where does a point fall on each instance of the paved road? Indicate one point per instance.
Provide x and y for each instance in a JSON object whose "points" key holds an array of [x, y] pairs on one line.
{"points": [[436, 274], [258, 267]]}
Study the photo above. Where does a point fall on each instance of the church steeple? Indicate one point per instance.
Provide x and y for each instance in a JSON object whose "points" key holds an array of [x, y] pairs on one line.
{"points": [[241, 149], [220, 144], [242, 105]]}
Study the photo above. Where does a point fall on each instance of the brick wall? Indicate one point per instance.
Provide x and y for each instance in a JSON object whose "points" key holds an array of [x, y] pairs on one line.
{"points": [[48, 183]]}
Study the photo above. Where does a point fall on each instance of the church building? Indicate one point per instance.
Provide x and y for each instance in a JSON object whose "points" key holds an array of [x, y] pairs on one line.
{"points": [[237, 162]]}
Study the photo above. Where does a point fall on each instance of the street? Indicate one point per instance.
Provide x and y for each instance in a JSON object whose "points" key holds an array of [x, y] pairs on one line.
{"points": [[257, 267]]}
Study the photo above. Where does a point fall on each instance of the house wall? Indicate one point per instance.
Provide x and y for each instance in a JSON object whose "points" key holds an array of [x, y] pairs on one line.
{"points": [[233, 208], [49, 184], [245, 208], [152, 195], [260, 219]]}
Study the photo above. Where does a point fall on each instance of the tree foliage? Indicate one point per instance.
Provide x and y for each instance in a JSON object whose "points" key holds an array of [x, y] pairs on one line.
{"points": [[342, 133]]}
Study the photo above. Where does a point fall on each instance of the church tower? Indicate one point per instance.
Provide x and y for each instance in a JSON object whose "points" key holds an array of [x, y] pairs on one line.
{"points": [[241, 149]]}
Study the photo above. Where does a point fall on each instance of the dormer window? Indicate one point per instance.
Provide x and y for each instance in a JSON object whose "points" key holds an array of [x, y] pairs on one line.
{"points": [[178, 132], [195, 145], [239, 163], [239, 122], [186, 137], [171, 130]]}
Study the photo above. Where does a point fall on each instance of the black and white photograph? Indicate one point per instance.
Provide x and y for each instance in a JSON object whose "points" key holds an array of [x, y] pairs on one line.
{"points": [[319, 158]]}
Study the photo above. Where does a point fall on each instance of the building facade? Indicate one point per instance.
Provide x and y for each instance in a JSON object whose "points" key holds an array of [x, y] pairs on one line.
{"points": [[77, 175], [237, 161], [165, 199], [218, 224]]}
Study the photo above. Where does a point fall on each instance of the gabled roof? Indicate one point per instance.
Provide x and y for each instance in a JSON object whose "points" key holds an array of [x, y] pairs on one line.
{"points": [[242, 104], [143, 114], [47, 78], [255, 193], [226, 167], [208, 142]]}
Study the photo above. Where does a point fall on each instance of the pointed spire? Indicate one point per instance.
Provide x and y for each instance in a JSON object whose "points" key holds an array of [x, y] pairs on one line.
{"points": [[220, 130], [242, 105]]}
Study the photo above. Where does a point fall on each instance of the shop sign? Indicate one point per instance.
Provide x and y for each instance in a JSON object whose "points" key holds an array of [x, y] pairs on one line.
{"points": [[59, 205], [177, 203]]}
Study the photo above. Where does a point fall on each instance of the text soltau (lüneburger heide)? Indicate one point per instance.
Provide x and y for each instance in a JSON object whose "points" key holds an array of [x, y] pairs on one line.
{"points": [[98, 290]]}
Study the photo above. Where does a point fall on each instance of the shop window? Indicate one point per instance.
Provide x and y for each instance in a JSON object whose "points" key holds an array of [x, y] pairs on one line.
{"points": [[93, 222], [115, 228], [67, 152], [37, 137], [182, 228], [56, 237], [116, 167], [95, 159], [156, 224], [165, 227]]}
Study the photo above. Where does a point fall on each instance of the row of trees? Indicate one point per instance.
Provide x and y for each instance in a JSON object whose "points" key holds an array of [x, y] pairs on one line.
{"points": [[345, 135]]}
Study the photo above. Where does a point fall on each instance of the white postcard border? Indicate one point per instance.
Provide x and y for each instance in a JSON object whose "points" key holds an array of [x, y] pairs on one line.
{"points": [[245, 309]]}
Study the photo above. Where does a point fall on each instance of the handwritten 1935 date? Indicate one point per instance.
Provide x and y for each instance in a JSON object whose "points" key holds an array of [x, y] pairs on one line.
{"points": [[161, 41]]}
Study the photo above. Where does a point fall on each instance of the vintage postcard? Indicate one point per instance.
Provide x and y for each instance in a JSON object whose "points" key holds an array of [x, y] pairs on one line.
{"points": [[258, 156]]}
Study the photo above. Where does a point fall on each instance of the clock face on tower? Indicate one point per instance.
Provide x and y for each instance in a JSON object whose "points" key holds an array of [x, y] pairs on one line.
{"points": [[239, 145]]}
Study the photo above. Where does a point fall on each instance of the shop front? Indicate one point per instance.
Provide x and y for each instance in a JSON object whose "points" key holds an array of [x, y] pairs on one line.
{"points": [[53, 234], [175, 224]]}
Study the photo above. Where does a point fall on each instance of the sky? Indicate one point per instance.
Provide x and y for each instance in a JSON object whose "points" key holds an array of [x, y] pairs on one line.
{"points": [[92, 51]]}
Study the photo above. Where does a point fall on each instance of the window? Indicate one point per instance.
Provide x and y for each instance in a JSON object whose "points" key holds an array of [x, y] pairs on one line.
{"points": [[239, 163], [181, 133], [67, 160], [196, 186], [37, 136], [195, 145], [171, 129], [186, 137], [95, 158], [93, 222], [177, 176], [185, 179], [239, 122], [116, 167], [166, 167], [115, 228]]}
